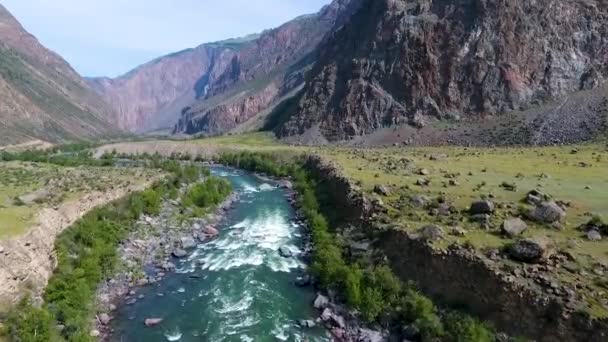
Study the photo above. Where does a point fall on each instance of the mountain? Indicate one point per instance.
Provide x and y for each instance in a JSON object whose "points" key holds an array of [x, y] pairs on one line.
{"points": [[216, 87], [41, 96], [529, 71]]}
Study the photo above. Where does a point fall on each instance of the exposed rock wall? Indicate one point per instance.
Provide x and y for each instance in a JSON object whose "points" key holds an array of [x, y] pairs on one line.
{"points": [[27, 262], [459, 276], [410, 62]]}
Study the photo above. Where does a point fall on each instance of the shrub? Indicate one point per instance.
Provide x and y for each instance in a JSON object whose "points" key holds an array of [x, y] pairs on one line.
{"points": [[208, 193], [463, 328]]}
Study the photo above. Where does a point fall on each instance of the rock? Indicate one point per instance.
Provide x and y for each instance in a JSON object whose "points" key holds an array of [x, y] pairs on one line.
{"points": [[594, 235], [167, 266], [367, 335], [424, 172], [211, 231], [528, 250], [420, 201], [548, 212], [187, 242], [179, 253], [423, 182], [321, 302], [104, 319], [514, 227], [306, 323], [482, 207], [285, 184], [458, 231], [431, 233], [382, 190], [150, 322], [285, 252], [94, 333], [303, 281], [483, 219]]}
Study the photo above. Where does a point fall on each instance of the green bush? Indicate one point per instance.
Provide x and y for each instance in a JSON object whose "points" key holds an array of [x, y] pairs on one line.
{"points": [[463, 328], [29, 324], [208, 193]]}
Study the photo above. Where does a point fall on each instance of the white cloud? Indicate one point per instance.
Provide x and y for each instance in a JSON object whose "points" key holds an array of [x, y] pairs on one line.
{"points": [[112, 36]]}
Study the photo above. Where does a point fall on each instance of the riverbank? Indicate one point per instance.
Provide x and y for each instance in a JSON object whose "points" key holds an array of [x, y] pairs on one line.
{"points": [[148, 255]]}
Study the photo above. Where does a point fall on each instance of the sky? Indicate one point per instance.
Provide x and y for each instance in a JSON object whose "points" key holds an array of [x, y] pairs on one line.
{"points": [[111, 37]]}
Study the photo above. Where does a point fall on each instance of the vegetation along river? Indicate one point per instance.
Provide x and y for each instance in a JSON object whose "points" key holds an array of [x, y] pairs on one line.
{"points": [[236, 287]]}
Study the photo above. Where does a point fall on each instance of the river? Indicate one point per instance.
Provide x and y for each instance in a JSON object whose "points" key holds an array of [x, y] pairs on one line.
{"points": [[234, 288]]}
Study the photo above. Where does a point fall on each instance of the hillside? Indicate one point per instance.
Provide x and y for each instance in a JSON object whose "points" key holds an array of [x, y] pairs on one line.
{"points": [[417, 63], [41, 96], [220, 85]]}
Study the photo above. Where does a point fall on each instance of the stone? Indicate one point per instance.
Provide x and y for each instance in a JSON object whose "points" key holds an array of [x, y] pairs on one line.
{"points": [[285, 252], [420, 201], [368, 335], [548, 212], [150, 322], [187, 242], [528, 250], [458, 231], [423, 182], [179, 253], [321, 302], [94, 333], [424, 172], [285, 184], [382, 190], [431, 233], [104, 319], [514, 227], [594, 235], [482, 207], [211, 231], [303, 281], [483, 219], [306, 323]]}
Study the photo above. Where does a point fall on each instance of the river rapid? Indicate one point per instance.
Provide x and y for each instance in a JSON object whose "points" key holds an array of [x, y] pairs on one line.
{"points": [[236, 287]]}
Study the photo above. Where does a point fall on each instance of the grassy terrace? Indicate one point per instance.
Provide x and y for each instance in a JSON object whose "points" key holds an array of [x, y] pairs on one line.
{"points": [[576, 175], [27, 187]]}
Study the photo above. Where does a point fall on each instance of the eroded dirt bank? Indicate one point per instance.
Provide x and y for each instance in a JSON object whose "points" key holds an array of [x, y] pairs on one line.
{"points": [[456, 275], [27, 261]]}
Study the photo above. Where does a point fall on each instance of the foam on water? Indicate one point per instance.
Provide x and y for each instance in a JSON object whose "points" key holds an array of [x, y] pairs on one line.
{"points": [[175, 335]]}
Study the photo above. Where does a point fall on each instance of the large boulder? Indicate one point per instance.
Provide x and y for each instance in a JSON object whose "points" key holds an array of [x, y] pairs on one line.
{"points": [[187, 242], [285, 252], [548, 212], [150, 322], [211, 231], [321, 302], [431, 232], [382, 190], [529, 250], [420, 201], [514, 227], [179, 253], [482, 207]]}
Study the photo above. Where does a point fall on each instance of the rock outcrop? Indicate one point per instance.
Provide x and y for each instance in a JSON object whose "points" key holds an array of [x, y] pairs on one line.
{"points": [[400, 62], [41, 96]]}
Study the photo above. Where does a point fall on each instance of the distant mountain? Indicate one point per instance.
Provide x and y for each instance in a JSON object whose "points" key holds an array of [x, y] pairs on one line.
{"points": [[41, 96], [420, 62], [223, 86]]}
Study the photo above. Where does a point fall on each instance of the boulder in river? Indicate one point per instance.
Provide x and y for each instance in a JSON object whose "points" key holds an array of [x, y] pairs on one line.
{"points": [[306, 323], [187, 242], [179, 253], [321, 302], [303, 281], [285, 252], [211, 231], [285, 184], [150, 322]]}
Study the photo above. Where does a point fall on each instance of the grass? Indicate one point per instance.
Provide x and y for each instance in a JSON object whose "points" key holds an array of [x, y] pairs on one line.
{"points": [[61, 183]]}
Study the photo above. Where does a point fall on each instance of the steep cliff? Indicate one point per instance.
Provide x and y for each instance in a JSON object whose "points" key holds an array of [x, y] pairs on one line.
{"points": [[417, 61], [217, 86], [41, 96]]}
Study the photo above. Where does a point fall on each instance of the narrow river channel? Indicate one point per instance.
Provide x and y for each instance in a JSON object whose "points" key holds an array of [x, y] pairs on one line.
{"points": [[237, 287]]}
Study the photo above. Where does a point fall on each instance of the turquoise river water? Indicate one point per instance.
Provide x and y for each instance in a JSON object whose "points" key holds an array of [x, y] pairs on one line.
{"points": [[234, 288]]}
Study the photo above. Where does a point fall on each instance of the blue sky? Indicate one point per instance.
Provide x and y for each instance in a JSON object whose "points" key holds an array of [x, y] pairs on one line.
{"points": [[110, 37]]}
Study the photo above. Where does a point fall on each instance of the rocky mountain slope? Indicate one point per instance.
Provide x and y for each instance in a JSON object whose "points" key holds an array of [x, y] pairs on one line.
{"points": [[418, 62], [217, 86], [41, 96]]}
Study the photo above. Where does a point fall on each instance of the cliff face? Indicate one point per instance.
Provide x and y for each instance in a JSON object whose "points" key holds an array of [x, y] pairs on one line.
{"points": [[264, 72], [41, 96], [218, 85], [398, 62]]}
